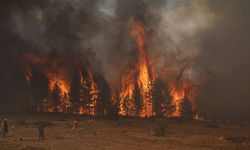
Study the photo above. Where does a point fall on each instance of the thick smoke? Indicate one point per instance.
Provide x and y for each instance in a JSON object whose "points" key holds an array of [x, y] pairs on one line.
{"points": [[190, 34], [225, 47]]}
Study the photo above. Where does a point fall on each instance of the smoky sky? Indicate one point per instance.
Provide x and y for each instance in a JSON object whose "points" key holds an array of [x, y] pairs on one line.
{"points": [[204, 34]]}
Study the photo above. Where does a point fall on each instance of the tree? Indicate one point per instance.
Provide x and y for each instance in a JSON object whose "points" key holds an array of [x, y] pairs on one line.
{"points": [[137, 99], [186, 108], [85, 91], [56, 96], [116, 106], [104, 103], [22, 92], [157, 97], [39, 86], [75, 95]]}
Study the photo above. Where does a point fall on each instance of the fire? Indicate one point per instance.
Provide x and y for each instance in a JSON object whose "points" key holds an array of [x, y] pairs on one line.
{"points": [[177, 97], [81, 110], [140, 75], [93, 91], [126, 96], [55, 79], [136, 96], [182, 89], [52, 77]]}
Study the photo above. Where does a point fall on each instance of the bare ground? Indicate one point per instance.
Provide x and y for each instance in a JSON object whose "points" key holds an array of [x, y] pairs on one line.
{"points": [[128, 134]]}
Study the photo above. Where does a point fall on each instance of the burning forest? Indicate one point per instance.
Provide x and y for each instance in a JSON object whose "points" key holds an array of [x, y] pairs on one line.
{"points": [[131, 59], [54, 88], [124, 74]]}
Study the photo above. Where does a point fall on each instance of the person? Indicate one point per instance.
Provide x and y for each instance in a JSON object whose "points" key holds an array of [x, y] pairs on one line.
{"points": [[74, 124], [41, 131], [5, 128]]}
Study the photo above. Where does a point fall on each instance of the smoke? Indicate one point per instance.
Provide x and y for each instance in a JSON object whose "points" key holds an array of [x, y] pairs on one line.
{"points": [[225, 47], [181, 34]]}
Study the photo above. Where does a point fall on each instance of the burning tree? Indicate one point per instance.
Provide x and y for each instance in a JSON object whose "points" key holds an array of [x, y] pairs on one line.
{"points": [[104, 104], [39, 89], [75, 94], [88, 92], [186, 109], [141, 94], [137, 99], [135, 95], [56, 97], [157, 97]]}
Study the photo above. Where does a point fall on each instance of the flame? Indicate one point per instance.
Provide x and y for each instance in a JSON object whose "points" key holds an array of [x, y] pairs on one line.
{"points": [[184, 88], [126, 95], [81, 110], [42, 63], [144, 79], [177, 97], [56, 79], [93, 93], [137, 80]]}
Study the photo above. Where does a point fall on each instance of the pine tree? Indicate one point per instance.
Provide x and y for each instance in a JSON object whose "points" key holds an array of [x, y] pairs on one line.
{"points": [[116, 106], [75, 86], [104, 104], [56, 96], [22, 92], [137, 99], [186, 108], [157, 97], [39, 86], [85, 91]]}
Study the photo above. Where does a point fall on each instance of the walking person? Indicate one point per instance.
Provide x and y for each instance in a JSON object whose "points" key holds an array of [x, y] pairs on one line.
{"points": [[74, 124], [5, 128], [41, 127]]}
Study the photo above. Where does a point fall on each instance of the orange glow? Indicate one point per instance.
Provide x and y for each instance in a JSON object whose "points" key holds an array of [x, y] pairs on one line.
{"points": [[141, 74], [135, 95], [63, 85], [182, 88], [81, 110], [91, 106], [177, 97]]}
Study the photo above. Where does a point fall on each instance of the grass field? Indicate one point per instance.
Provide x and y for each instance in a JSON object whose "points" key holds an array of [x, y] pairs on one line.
{"points": [[126, 134]]}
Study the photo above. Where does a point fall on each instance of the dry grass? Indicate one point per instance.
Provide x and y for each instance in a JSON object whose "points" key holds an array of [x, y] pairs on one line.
{"points": [[122, 135]]}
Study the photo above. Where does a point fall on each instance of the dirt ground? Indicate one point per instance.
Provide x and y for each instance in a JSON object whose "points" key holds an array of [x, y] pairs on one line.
{"points": [[126, 134]]}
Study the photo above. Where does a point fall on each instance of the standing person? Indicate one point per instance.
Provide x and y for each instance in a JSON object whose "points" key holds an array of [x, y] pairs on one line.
{"points": [[5, 127], [41, 130], [74, 124]]}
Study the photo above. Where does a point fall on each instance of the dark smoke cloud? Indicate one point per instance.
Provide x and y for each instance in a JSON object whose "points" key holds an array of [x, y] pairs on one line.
{"points": [[226, 48], [204, 34]]}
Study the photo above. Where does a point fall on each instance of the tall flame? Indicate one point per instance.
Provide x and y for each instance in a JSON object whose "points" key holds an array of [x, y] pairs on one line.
{"points": [[93, 89], [62, 83], [135, 97], [141, 74]]}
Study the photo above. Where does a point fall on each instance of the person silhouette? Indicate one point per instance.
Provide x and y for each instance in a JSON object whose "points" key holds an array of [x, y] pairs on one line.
{"points": [[5, 128]]}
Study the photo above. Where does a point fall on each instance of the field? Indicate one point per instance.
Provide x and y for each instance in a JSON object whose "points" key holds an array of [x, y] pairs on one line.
{"points": [[125, 134]]}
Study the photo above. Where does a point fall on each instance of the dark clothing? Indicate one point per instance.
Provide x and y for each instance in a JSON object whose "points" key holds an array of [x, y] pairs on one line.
{"points": [[41, 131], [5, 128]]}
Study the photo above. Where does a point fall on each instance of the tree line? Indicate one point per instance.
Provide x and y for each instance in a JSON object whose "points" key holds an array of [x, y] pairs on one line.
{"points": [[97, 102]]}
